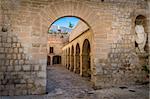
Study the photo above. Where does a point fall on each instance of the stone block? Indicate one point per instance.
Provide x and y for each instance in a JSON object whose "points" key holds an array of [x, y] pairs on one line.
{"points": [[10, 68], [18, 68], [8, 45], [9, 40], [19, 56], [18, 45], [14, 45], [11, 92], [20, 50], [3, 69], [2, 50], [26, 67], [10, 50], [21, 62], [15, 50], [15, 39], [2, 56], [16, 62], [36, 67], [41, 74], [8, 56], [14, 56]]}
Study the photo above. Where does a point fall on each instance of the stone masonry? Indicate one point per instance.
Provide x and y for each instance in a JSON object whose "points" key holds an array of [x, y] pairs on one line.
{"points": [[17, 74], [23, 41]]}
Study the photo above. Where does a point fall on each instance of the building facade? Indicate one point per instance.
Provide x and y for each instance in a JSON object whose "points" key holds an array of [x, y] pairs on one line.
{"points": [[54, 49]]}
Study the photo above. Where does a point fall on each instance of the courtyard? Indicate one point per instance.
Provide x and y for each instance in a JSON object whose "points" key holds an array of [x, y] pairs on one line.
{"points": [[63, 84]]}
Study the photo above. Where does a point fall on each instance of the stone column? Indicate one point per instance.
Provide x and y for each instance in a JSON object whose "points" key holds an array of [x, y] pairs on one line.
{"points": [[81, 64], [83, 67], [91, 66], [64, 58], [148, 18], [74, 63], [70, 61]]}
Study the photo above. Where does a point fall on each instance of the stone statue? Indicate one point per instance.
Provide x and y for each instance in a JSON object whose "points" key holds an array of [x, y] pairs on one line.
{"points": [[140, 37]]}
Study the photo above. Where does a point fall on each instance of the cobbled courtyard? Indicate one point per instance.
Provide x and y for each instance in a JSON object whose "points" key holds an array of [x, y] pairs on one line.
{"points": [[63, 84]]}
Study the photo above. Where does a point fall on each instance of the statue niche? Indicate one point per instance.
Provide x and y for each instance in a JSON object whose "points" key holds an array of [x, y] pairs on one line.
{"points": [[140, 39]]}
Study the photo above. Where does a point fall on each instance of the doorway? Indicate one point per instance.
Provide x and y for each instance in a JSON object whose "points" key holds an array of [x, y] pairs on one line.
{"points": [[56, 59]]}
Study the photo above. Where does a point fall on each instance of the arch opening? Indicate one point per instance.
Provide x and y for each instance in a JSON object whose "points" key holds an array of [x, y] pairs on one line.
{"points": [[77, 59], [141, 41], [76, 20], [141, 26], [142, 21], [86, 59], [56, 59]]}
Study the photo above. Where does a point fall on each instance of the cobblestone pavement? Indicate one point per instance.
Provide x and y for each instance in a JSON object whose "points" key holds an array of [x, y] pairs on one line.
{"points": [[63, 84]]}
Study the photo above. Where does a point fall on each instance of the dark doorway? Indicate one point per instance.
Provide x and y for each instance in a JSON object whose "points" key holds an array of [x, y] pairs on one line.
{"points": [[48, 60], [56, 60]]}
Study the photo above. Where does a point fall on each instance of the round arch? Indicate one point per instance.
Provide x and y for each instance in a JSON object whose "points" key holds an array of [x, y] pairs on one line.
{"points": [[81, 10], [68, 67], [67, 16], [86, 59], [77, 57], [141, 20], [85, 12]]}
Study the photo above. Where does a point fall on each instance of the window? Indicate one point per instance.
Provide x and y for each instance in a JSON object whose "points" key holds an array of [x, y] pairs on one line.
{"points": [[51, 50]]}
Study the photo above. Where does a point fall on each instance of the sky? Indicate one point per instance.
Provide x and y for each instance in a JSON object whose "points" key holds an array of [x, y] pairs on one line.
{"points": [[64, 22]]}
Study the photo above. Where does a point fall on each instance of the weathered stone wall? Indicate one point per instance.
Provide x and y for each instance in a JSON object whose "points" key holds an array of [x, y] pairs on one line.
{"points": [[19, 75], [122, 65], [57, 41]]}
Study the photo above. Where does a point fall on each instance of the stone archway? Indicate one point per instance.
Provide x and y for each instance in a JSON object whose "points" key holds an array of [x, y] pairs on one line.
{"points": [[86, 59], [81, 10], [77, 70], [87, 14], [72, 59]]}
